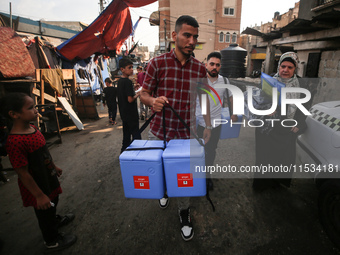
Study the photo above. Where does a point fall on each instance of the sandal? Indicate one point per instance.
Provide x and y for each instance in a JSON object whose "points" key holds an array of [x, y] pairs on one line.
{"points": [[64, 220]]}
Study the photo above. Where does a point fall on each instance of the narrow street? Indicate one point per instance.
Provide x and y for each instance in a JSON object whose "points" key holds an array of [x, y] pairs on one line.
{"points": [[280, 221]]}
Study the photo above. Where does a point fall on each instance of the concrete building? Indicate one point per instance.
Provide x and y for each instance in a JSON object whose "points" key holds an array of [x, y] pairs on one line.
{"points": [[253, 40], [280, 21], [142, 53], [219, 22]]}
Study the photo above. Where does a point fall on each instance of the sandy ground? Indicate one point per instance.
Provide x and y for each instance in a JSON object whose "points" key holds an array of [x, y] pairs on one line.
{"points": [[280, 221]]}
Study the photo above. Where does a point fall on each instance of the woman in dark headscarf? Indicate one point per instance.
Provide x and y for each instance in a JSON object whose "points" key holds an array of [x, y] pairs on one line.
{"points": [[277, 148]]}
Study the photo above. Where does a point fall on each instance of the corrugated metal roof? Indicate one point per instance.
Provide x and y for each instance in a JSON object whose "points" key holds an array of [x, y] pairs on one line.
{"points": [[269, 36], [300, 26], [25, 25]]}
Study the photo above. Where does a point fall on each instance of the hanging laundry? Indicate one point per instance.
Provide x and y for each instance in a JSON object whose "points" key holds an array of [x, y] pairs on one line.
{"points": [[55, 78]]}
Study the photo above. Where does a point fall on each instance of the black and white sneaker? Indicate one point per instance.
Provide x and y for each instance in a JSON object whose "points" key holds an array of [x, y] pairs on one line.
{"points": [[187, 230], [62, 242], [164, 202]]}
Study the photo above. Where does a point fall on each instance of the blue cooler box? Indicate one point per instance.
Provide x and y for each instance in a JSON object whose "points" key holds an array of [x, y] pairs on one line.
{"points": [[180, 159], [142, 170], [226, 130]]}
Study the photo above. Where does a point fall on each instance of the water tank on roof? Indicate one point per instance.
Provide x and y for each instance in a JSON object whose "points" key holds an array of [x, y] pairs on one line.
{"points": [[233, 61]]}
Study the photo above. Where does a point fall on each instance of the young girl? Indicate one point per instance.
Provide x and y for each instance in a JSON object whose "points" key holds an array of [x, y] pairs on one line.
{"points": [[38, 175]]}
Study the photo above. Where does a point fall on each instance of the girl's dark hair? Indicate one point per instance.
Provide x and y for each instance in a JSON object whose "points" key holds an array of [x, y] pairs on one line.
{"points": [[12, 102]]}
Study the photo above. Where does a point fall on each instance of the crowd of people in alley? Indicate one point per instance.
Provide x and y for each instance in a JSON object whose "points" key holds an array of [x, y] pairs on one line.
{"points": [[164, 84]]}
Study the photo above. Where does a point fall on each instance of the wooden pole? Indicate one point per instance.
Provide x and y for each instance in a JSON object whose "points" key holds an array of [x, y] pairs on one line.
{"points": [[73, 88]]}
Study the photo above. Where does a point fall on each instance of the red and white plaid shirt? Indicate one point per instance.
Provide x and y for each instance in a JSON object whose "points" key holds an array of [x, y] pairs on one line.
{"points": [[166, 76]]}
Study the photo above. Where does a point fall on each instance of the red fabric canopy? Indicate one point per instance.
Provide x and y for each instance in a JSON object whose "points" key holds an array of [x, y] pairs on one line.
{"points": [[107, 33]]}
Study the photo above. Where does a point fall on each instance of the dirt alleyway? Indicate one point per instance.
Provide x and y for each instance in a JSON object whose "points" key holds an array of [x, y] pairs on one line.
{"points": [[282, 221]]}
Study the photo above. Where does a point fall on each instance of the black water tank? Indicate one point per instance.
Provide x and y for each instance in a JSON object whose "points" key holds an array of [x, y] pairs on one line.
{"points": [[233, 61]]}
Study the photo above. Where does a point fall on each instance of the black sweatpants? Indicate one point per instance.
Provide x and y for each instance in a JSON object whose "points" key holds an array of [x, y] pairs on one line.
{"points": [[112, 110], [130, 133]]}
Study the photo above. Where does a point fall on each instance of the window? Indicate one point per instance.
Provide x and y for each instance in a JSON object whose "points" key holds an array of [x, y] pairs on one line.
{"points": [[229, 11], [221, 37], [227, 38], [234, 39], [210, 21]]}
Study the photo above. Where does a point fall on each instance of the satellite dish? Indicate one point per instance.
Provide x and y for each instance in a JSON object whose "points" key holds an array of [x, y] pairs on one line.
{"points": [[154, 18]]}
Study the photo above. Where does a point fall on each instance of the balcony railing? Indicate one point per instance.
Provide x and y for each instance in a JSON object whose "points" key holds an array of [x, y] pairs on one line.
{"points": [[322, 4]]}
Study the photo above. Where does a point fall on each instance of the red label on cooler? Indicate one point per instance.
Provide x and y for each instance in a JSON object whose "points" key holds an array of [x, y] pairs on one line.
{"points": [[185, 180], [141, 182]]}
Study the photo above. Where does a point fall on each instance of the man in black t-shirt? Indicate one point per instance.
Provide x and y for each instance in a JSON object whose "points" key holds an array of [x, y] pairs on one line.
{"points": [[128, 104]]}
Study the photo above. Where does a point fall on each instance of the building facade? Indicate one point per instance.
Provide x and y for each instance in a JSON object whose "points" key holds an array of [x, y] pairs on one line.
{"points": [[219, 22], [142, 53], [255, 45]]}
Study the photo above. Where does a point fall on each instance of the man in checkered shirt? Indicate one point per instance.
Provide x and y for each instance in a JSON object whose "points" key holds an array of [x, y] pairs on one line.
{"points": [[172, 78]]}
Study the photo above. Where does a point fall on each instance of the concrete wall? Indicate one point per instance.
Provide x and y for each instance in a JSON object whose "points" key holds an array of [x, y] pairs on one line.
{"points": [[305, 9], [327, 89], [330, 64], [303, 58], [328, 86]]}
